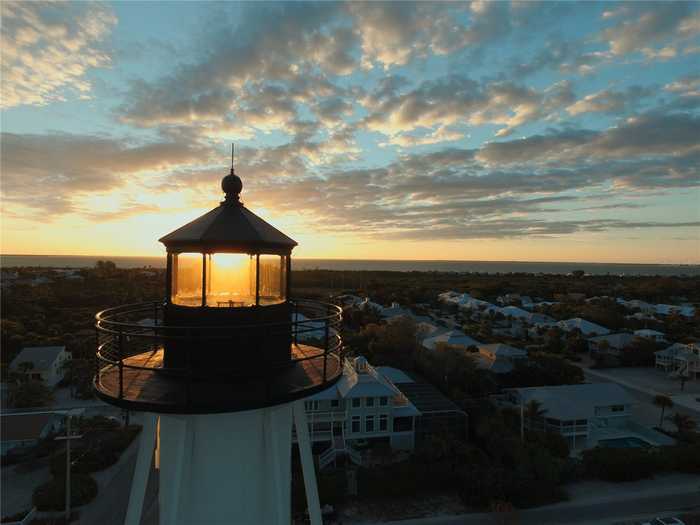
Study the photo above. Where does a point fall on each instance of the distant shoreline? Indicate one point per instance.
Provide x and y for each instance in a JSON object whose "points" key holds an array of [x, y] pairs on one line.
{"points": [[87, 261]]}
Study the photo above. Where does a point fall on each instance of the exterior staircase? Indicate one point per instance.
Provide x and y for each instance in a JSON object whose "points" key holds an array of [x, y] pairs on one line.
{"points": [[338, 446]]}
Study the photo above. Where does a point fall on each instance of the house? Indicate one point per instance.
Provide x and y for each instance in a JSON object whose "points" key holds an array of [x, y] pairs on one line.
{"points": [[437, 413], [654, 335], [515, 312], [584, 414], [26, 430], [452, 338], [499, 358], [41, 363], [363, 407], [679, 359], [668, 309], [587, 328], [611, 344]]}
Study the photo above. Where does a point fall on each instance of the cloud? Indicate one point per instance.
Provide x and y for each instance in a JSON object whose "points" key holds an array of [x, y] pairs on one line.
{"points": [[49, 47], [277, 43], [456, 99], [47, 172], [653, 23], [611, 101], [645, 135]]}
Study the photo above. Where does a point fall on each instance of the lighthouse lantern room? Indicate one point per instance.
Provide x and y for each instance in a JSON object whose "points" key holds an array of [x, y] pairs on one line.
{"points": [[218, 371]]}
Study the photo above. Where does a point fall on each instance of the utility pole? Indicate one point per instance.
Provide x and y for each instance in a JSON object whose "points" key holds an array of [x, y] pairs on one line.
{"points": [[67, 438], [522, 419]]}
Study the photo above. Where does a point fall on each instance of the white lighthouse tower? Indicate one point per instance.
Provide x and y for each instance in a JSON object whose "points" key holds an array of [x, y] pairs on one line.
{"points": [[218, 373]]}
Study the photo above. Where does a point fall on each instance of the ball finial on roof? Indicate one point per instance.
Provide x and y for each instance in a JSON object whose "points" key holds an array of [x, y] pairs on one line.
{"points": [[231, 184]]}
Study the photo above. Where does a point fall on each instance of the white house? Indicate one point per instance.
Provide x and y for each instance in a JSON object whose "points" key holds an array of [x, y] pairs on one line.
{"points": [[499, 358], [452, 338], [611, 343], [41, 363], [680, 359], [584, 414], [654, 335], [586, 327], [364, 406], [515, 312]]}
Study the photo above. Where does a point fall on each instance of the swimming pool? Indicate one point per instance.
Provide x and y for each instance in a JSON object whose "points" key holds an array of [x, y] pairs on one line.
{"points": [[625, 442]]}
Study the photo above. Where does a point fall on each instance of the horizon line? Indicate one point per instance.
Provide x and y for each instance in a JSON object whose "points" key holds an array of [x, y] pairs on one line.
{"points": [[512, 261]]}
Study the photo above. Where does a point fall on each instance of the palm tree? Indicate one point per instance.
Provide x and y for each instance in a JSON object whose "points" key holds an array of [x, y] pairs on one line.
{"points": [[534, 411], [663, 402], [683, 423]]}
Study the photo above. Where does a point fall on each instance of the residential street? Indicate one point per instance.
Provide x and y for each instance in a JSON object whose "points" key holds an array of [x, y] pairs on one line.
{"points": [[606, 511]]}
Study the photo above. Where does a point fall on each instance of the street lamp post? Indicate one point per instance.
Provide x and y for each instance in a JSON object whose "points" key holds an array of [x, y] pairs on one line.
{"points": [[67, 438]]}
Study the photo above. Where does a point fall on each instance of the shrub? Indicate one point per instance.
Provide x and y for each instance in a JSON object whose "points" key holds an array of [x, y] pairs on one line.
{"points": [[683, 458], [629, 464], [52, 495]]}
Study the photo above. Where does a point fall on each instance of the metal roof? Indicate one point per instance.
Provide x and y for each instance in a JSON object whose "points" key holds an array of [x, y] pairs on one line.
{"points": [[229, 227], [566, 402], [426, 398]]}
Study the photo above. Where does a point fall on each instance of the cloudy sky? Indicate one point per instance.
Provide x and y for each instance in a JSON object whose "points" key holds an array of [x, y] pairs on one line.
{"points": [[479, 131]]}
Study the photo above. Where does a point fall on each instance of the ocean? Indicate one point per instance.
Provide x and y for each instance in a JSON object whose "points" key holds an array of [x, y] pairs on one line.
{"points": [[83, 261]]}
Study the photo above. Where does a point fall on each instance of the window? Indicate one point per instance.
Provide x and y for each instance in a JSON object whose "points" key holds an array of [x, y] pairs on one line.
{"points": [[335, 403], [369, 401], [356, 402], [355, 427], [383, 422], [383, 401], [186, 285], [618, 408], [310, 405], [230, 279], [369, 424]]}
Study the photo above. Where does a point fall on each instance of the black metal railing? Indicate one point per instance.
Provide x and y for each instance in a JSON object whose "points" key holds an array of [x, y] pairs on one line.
{"points": [[132, 339]]}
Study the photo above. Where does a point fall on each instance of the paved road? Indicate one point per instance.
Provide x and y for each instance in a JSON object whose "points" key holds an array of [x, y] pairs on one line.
{"points": [[569, 513]]}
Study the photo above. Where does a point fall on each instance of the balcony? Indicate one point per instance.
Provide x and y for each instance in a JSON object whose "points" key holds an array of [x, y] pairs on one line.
{"points": [[132, 341]]}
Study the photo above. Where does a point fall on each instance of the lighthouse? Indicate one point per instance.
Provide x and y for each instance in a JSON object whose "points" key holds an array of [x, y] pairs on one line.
{"points": [[219, 374]]}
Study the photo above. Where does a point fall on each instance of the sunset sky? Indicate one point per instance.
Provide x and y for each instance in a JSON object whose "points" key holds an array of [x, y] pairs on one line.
{"points": [[477, 131]]}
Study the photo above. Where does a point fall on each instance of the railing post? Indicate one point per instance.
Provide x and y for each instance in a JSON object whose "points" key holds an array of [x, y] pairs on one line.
{"points": [[121, 364], [325, 346], [295, 322], [97, 359]]}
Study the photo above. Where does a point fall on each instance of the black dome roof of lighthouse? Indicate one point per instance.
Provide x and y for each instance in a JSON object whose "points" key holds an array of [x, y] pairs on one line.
{"points": [[230, 227]]}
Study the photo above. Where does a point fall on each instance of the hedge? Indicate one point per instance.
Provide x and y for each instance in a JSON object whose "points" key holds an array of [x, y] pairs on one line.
{"points": [[52, 495]]}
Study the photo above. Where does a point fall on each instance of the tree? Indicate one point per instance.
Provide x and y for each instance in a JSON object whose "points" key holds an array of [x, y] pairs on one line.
{"points": [[663, 402], [32, 394], [683, 423]]}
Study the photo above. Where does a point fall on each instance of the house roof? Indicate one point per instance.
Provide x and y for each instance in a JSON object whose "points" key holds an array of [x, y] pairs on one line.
{"points": [[426, 398], [567, 402], [586, 327], [619, 340], [451, 337], [497, 366], [366, 383], [503, 350], [42, 357], [23, 427], [229, 226], [514, 311], [646, 332], [394, 374]]}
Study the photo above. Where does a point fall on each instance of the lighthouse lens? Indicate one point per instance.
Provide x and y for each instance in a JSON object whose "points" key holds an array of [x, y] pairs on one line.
{"points": [[230, 280]]}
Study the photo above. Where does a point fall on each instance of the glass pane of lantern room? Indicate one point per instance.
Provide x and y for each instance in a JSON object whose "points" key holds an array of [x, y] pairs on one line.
{"points": [[230, 280], [187, 279], [272, 282]]}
